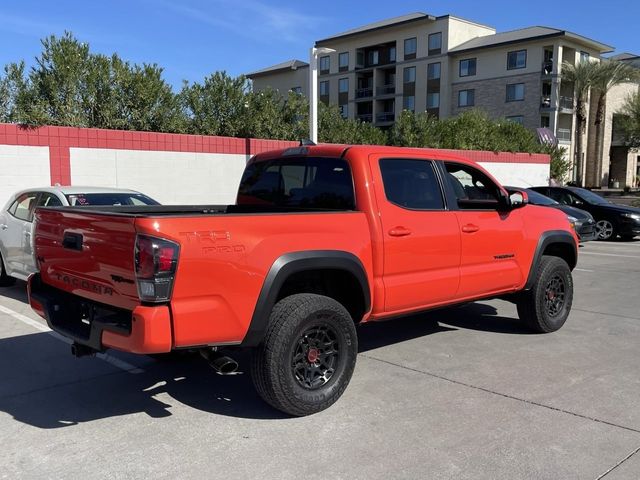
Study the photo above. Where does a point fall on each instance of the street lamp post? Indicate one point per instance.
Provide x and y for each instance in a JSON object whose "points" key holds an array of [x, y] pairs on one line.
{"points": [[313, 90]]}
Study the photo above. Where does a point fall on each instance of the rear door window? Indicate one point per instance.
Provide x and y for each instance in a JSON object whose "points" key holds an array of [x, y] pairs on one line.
{"points": [[411, 183], [306, 182], [22, 208]]}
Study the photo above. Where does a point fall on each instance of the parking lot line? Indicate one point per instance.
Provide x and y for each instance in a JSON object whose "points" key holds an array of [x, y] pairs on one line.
{"points": [[609, 254], [116, 362], [583, 270]]}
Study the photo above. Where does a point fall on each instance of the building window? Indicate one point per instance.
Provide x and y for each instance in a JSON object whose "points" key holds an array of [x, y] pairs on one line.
{"points": [[392, 54], [435, 43], [515, 92], [373, 57], [343, 61], [343, 85], [517, 59], [545, 121], [410, 75], [359, 59], [584, 56], [410, 47], [433, 100], [409, 103], [433, 71], [516, 119], [466, 98], [344, 110], [297, 90], [325, 64], [324, 88], [468, 67]]}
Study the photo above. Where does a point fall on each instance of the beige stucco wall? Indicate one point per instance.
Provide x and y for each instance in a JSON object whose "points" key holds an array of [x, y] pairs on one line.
{"points": [[284, 81]]}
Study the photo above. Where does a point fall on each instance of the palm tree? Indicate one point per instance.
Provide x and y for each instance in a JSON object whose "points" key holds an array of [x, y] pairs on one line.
{"points": [[581, 75], [608, 74]]}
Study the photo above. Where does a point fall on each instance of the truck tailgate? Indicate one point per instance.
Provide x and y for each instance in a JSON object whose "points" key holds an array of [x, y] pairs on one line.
{"points": [[88, 254]]}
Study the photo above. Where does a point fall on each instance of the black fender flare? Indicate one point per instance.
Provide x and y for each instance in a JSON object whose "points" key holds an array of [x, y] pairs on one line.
{"points": [[549, 238], [295, 262]]}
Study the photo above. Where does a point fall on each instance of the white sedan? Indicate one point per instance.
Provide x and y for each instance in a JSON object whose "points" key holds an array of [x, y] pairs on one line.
{"points": [[16, 221]]}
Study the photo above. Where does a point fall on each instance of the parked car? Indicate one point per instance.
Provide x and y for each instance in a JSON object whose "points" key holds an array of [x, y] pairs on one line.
{"points": [[321, 238], [16, 221], [611, 219], [581, 220]]}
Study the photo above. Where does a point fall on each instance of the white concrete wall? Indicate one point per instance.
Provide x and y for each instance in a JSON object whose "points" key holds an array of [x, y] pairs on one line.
{"points": [[519, 174], [169, 177], [22, 167]]}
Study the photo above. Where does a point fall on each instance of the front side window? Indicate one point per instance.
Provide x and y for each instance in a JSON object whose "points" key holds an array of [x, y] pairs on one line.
{"points": [[410, 75], [517, 59], [433, 100], [410, 48], [433, 71], [22, 208], [472, 188], [468, 67], [343, 61], [466, 98], [49, 200], [325, 64], [298, 182], [515, 92], [412, 184], [435, 43]]}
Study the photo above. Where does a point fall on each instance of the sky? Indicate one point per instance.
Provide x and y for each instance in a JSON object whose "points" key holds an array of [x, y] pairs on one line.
{"points": [[191, 39]]}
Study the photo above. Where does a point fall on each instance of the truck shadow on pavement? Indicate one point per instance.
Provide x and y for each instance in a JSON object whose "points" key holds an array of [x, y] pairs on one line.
{"points": [[44, 386]]}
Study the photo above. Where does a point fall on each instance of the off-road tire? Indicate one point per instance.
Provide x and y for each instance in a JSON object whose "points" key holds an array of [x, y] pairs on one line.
{"points": [[276, 372], [545, 307], [5, 280]]}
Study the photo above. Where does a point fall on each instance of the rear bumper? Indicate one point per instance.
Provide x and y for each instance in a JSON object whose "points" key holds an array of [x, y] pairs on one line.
{"points": [[99, 326]]}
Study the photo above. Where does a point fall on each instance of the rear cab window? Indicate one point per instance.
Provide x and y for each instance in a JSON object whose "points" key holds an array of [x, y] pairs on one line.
{"points": [[317, 183]]}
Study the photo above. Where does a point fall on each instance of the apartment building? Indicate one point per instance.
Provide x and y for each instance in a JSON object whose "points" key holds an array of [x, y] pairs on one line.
{"points": [[445, 65]]}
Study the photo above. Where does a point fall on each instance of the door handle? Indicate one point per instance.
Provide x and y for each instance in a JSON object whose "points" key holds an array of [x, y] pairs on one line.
{"points": [[470, 228], [399, 232]]}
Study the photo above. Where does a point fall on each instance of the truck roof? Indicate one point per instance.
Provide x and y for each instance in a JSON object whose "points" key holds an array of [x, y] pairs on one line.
{"points": [[333, 150]]}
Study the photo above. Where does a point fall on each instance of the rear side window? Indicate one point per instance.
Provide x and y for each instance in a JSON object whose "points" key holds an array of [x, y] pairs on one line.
{"points": [[109, 199], [22, 208], [306, 182], [411, 184]]}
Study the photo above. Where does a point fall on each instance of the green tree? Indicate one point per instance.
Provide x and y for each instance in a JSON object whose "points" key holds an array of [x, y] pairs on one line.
{"points": [[270, 115], [12, 84], [631, 120], [607, 75], [581, 75], [333, 128], [218, 106], [415, 130]]}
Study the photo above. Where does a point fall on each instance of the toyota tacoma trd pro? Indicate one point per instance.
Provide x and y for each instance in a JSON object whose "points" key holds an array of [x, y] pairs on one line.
{"points": [[321, 239]]}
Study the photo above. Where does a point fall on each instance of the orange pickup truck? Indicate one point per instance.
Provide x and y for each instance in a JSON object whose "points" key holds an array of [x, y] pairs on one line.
{"points": [[321, 239]]}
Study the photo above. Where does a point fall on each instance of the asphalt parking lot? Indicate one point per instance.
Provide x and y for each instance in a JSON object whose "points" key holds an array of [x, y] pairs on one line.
{"points": [[462, 393]]}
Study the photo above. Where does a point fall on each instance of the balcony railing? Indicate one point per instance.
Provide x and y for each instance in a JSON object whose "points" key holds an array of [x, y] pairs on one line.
{"points": [[385, 117], [566, 103], [547, 67], [564, 134], [364, 92], [365, 117], [386, 89]]}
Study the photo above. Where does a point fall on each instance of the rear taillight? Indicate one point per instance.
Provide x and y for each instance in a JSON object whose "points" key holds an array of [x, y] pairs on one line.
{"points": [[155, 260]]}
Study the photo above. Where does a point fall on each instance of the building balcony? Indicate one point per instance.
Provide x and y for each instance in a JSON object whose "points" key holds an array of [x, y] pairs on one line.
{"points": [[365, 117], [547, 67], [386, 89], [385, 117], [364, 92], [564, 135]]}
